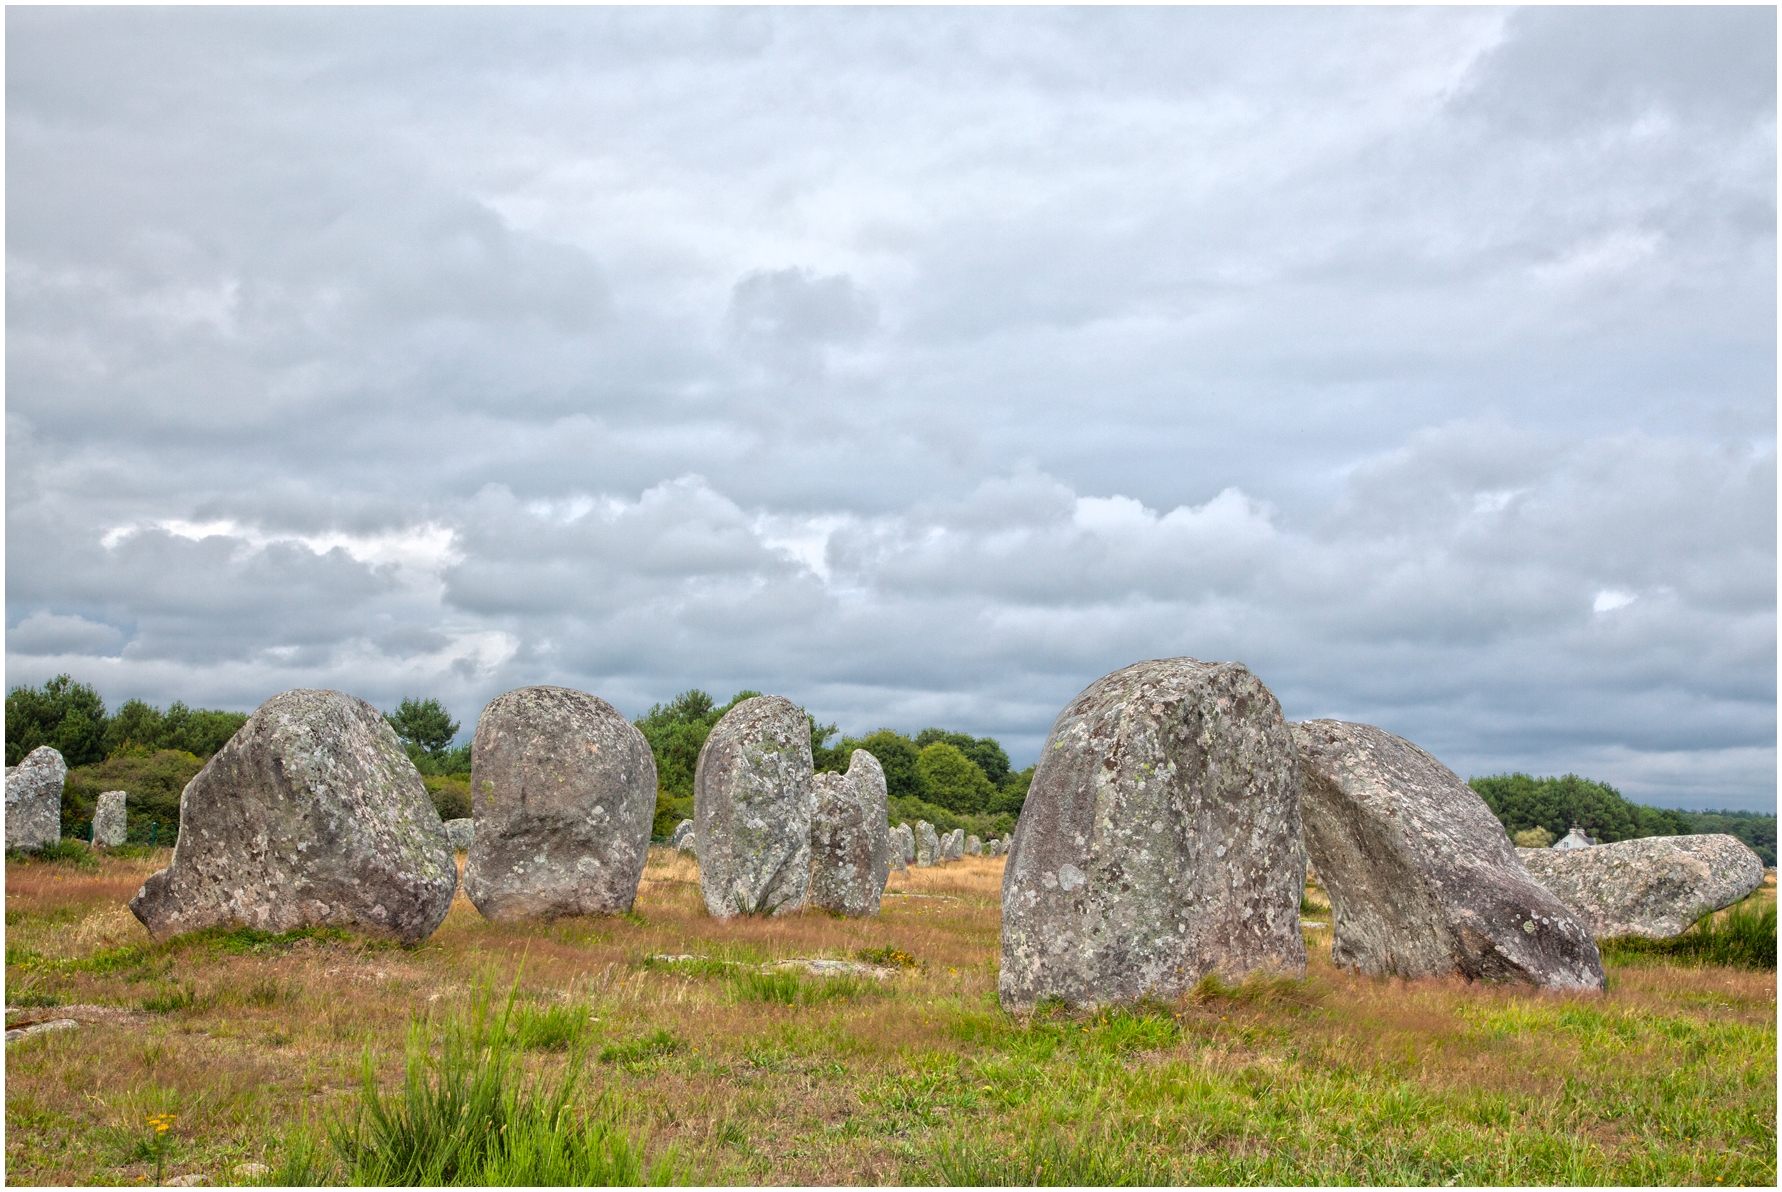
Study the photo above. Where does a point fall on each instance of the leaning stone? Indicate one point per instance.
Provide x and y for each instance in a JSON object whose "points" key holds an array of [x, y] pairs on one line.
{"points": [[1656, 887], [908, 835], [928, 845], [461, 832], [312, 815], [954, 845], [974, 847], [683, 836], [1156, 845], [752, 802], [1422, 880], [109, 820], [562, 789], [849, 847], [34, 799]]}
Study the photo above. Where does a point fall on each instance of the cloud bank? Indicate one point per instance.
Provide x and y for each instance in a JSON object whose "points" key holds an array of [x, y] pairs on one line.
{"points": [[919, 365]]}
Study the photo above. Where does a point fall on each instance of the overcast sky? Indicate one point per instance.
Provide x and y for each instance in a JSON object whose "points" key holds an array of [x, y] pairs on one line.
{"points": [[920, 365]]}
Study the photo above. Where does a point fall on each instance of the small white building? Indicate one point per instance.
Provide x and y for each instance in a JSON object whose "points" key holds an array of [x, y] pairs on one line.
{"points": [[1574, 839]]}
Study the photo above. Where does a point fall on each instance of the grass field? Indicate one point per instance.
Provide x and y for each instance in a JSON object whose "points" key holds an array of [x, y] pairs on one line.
{"points": [[717, 1068]]}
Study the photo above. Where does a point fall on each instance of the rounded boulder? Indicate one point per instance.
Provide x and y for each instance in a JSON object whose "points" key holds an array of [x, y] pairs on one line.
{"points": [[562, 794]]}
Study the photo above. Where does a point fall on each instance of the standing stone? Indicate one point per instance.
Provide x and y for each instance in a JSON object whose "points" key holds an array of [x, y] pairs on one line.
{"points": [[908, 835], [1422, 880], [683, 836], [562, 789], [1656, 887], [928, 845], [849, 846], [312, 815], [752, 804], [109, 820], [461, 832], [1157, 841], [974, 847], [34, 799], [953, 847], [894, 853]]}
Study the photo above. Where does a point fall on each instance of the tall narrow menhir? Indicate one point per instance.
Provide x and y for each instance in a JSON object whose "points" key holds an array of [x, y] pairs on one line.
{"points": [[753, 797], [1159, 842]]}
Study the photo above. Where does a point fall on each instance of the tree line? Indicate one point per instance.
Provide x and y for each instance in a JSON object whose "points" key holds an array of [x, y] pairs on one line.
{"points": [[1532, 808], [950, 779], [71, 718]]}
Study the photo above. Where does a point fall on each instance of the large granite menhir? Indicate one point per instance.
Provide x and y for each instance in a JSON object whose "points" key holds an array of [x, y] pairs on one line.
{"points": [[311, 815], [34, 799], [752, 803], [1421, 877], [562, 792], [849, 844], [1655, 887], [1157, 842]]}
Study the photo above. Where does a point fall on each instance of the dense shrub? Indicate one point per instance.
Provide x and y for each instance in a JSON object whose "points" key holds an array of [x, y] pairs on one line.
{"points": [[151, 783]]}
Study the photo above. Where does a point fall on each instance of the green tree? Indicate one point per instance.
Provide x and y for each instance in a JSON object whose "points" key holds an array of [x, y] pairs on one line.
{"points": [[953, 780], [1011, 793], [1521, 802], [62, 713], [897, 756], [424, 724], [987, 752]]}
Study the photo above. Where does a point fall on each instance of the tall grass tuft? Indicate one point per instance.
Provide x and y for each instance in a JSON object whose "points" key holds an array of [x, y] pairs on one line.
{"points": [[470, 1117], [1745, 937]]}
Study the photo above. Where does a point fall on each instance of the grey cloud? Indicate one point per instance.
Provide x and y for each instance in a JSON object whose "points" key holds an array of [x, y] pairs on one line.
{"points": [[920, 364]]}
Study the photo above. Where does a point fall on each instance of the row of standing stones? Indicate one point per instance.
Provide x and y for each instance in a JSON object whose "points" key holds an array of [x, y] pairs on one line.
{"points": [[1164, 839]]}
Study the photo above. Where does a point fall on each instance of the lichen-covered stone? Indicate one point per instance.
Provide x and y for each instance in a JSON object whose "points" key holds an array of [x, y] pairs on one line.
{"points": [[752, 804], [1157, 841], [849, 845], [1422, 879], [974, 847], [953, 845], [894, 862], [1656, 887], [34, 799], [928, 844], [562, 789], [109, 820], [683, 836], [311, 815], [907, 834], [461, 832]]}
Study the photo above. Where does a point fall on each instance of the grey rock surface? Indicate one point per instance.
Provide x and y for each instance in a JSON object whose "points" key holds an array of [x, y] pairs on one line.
{"points": [[461, 832], [953, 847], [34, 799], [1156, 845], [1421, 878], [908, 835], [109, 820], [683, 836], [974, 847], [1656, 887], [928, 845], [850, 849], [311, 815], [562, 789], [752, 803], [894, 853]]}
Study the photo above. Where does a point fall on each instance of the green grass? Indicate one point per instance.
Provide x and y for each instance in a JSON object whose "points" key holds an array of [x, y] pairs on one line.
{"points": [[64, 851], [1744, 937], [549, 1028], [790, 989], [657, 1044], [468, 1116]]}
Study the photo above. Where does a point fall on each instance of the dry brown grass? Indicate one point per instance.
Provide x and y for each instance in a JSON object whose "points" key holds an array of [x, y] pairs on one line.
{"points": [[865, 1088]]}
